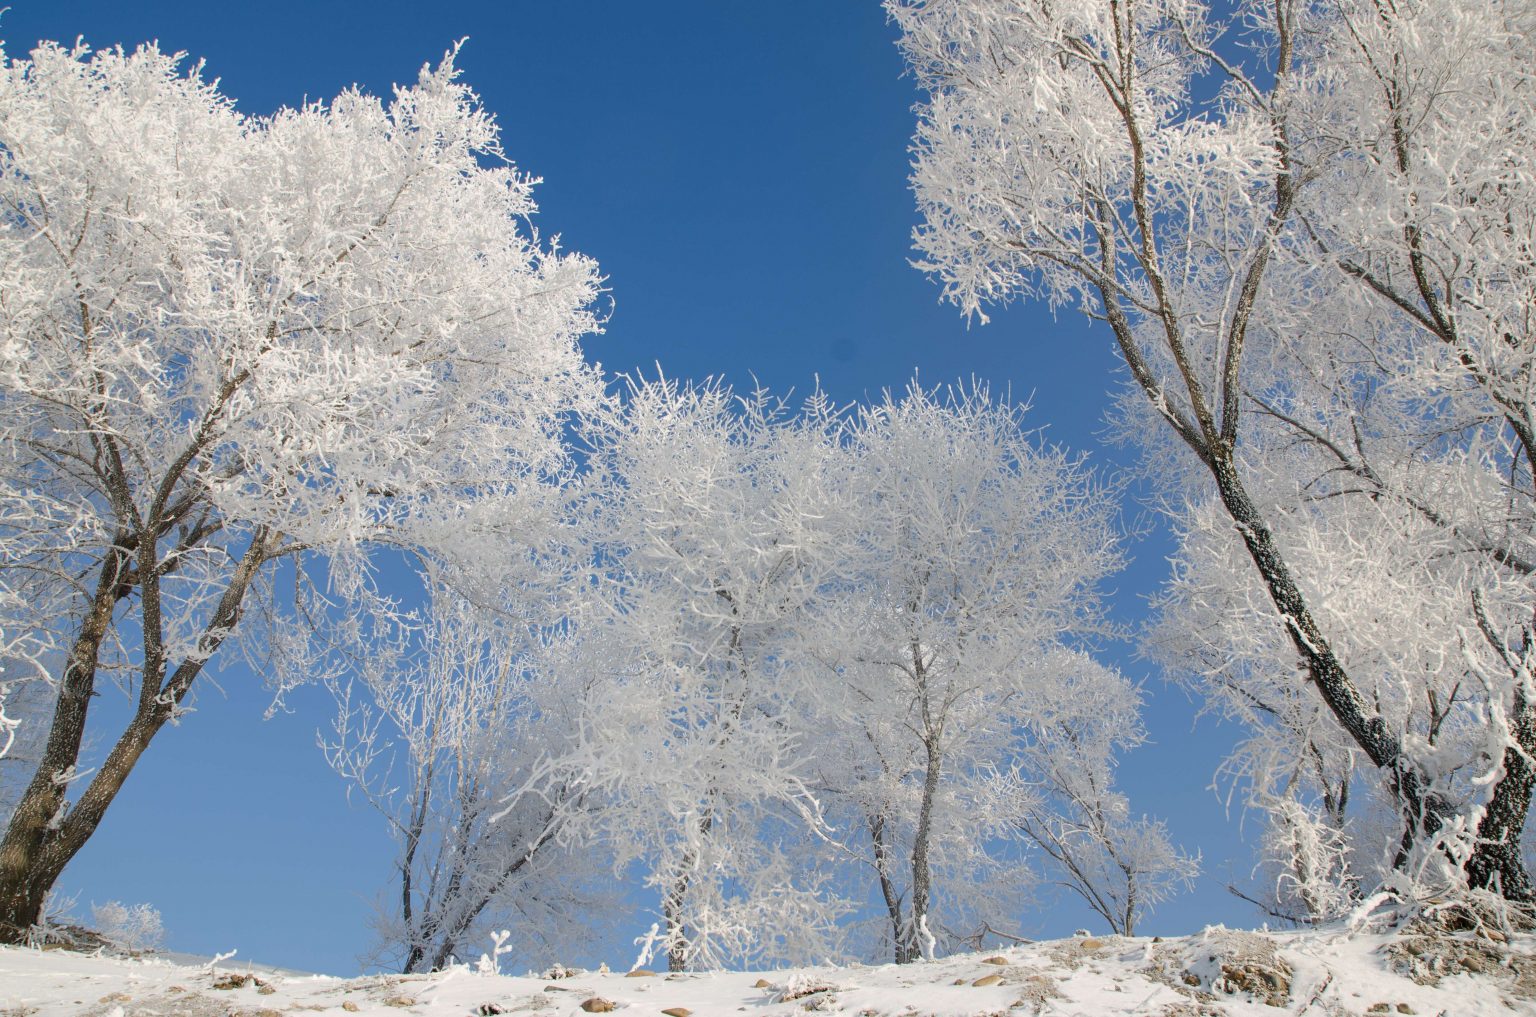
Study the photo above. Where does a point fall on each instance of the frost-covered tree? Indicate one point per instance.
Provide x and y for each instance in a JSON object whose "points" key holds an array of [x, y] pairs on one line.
{"points": [[961, 713], [231, 342], [1120, 864], [448, 747], [1307, 226], [707, 520], [780, 656]]}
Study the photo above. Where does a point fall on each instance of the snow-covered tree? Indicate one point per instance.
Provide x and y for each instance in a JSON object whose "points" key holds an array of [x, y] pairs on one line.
{"points": [[1307, 226], [1120, 864], [707, 520], [448, 748], [961, 708], [230, 342], [782, 655]]}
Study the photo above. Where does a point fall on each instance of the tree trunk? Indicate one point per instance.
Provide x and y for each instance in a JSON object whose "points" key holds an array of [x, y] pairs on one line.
{"points": [[29, 862], [33, 859], [45, 832], [467, 916], [1423, 812], [674, 904], [1496, 863], [921, 876], [902, 941], [672, 914]]}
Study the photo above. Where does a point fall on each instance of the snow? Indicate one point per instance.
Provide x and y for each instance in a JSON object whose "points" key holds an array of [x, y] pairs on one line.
{"points": [[1216, 973]]}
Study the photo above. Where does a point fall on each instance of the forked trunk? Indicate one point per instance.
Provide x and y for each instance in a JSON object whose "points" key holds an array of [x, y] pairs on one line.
{"points": [[31, 860], [30, 853], [921, 873], [46, 832], [23, 891]]}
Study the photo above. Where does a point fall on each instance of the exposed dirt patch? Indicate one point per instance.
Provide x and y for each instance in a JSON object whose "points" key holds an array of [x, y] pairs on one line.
{"points": [[1035, 994], [801, 987], [1072, 953], [1224, 962], [1428, 950], [1194, 1009]]}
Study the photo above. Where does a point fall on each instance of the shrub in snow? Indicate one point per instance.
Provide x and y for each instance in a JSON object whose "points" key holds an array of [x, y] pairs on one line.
{"points": [[800, 985], [132, 927]]}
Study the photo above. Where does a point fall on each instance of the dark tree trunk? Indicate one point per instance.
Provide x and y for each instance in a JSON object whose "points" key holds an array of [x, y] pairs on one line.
{"points": [[468, 914], [45, 832], [1423, 812], [922, 876], [905, 948], [1496, 863], [30, 855], [672, 914], [674, 905]]}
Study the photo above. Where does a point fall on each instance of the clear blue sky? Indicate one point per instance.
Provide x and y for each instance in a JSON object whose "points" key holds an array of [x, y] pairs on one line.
{"points": [[739, 172]]}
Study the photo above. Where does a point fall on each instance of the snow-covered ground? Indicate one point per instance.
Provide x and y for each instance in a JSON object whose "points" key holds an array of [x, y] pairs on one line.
{"points": [[1325, 973]]}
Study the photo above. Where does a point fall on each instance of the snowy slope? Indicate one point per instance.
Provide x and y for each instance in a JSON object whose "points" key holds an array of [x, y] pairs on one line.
{"points": [[1327, 973]]}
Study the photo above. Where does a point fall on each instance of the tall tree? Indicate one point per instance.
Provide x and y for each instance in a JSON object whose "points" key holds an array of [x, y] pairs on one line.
{"points": [[230, 342], [707, 520], [963, 715], [1319, 274]]}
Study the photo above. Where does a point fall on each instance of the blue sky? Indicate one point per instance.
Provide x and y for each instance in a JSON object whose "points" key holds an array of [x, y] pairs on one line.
{"points": [[739, 172]]}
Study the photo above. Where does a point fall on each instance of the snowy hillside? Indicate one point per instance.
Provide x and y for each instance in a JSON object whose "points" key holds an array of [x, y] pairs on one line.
{"points": [[1219, 972]]}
